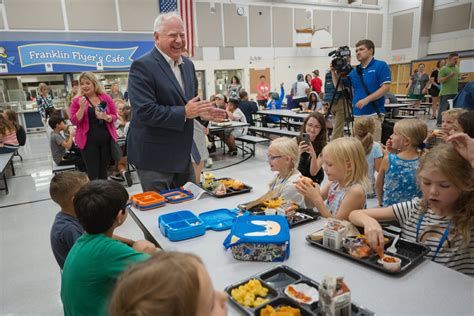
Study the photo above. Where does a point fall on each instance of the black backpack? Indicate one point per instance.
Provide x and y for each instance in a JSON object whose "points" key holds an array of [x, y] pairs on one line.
{"points": [[21, 135]]}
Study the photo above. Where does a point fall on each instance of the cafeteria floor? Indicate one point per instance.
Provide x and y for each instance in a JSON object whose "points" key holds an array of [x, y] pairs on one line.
{"points": [[29, 275]]}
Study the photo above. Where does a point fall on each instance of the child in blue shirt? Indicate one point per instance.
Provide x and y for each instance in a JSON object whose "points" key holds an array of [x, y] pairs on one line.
{"points": [[66, 228], [275, 103], [396, 181]]}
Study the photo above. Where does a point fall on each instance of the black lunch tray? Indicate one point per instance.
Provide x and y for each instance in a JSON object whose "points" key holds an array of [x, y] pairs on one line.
{"points": [[410, 253], [275, 280], [230, 191], [302, 215]]}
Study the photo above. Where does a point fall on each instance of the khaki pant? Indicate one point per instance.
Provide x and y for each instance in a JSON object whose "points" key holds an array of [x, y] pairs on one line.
{"points": [[338, 119], [378, 126]]}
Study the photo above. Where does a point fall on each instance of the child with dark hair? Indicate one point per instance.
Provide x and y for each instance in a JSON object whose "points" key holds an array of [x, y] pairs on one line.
{"points": [[59, 144], [465, 123], [96, 260], [66, 228]]}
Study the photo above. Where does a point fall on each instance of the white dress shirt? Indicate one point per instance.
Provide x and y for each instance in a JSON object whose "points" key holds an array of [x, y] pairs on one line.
{"points": [[174, 67]]}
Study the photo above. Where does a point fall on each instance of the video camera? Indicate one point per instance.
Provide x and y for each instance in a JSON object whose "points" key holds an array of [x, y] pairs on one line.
{"points": [[339, 61]]}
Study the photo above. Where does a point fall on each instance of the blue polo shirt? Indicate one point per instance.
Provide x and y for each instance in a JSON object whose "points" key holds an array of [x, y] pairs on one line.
{"points": [[375, 75]]}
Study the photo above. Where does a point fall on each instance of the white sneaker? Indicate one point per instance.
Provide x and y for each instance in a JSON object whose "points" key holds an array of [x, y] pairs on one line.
{"points": [[208, 163]]}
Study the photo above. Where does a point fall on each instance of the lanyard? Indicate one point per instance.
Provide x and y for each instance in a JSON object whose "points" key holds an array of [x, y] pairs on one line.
{"points": [[441, 241], [282, 181]]}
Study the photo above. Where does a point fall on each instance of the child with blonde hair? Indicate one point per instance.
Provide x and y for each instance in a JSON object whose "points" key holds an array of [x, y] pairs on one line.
{"points": [[364, 129], [150, 288], [443, 219], [448, 125], [283, 157], [346, 169], [396, 181]]}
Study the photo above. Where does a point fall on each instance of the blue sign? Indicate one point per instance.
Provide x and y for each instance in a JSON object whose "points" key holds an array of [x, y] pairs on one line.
{"points": [[55, 57]]}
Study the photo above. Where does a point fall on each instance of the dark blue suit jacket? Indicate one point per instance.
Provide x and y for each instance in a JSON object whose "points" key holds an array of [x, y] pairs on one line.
{"points": [[160, 138]]}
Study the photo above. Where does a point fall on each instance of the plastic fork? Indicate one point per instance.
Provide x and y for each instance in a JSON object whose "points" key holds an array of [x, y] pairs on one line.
{"points": [[392, 248]]}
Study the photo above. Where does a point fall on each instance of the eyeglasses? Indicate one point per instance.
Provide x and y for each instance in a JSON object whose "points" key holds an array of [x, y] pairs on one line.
{"points": [[128, 205], [271, 158], [313, 126]]}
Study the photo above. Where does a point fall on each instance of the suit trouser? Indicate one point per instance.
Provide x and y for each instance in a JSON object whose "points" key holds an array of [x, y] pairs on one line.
{"points": [[338, 116], [378, 126], [443, 106], [159, 181]]}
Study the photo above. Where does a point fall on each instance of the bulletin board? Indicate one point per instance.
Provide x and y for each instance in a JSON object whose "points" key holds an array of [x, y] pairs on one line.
{"points": [[255, 75]]}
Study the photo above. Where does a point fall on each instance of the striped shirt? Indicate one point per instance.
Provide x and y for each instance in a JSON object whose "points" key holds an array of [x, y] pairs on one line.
{"points": [[432, 227], [9, 138]]}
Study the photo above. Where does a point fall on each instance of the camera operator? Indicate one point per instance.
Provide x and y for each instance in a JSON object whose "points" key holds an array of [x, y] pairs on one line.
{"points": [[338, 111], [376, 77]]}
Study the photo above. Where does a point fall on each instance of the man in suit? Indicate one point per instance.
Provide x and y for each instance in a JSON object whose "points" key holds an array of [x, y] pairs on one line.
{"points": [[163, 96]]}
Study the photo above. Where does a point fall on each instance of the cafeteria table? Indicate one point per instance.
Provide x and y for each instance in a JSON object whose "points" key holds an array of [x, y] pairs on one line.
{"points": [[285, 115], [219, 128], [428, 289], [391, 107]]}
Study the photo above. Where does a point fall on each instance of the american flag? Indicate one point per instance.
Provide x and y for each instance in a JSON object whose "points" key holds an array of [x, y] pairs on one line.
{"points": [[185, 9]]}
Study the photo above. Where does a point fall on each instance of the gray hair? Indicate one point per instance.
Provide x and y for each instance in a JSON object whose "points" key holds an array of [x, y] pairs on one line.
{"points": [[160, 19]]}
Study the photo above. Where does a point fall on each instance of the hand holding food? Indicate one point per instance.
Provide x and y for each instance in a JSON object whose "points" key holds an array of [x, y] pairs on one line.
{"points": [[309, 189], [439, 133], [374, 234]]}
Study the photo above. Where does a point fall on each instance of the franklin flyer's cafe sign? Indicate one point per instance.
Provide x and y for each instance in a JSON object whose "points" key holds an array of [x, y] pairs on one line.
{"points": [[63, 57]]}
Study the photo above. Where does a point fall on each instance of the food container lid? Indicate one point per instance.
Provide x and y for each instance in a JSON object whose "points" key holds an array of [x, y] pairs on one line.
{"points": [[220, 219]]}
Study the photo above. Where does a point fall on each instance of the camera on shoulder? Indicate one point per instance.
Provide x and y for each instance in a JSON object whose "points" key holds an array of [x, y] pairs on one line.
{"points": [[339, 60]]}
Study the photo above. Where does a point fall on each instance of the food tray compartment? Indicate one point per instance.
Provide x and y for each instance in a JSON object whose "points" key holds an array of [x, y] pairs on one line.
{"points": [[283, 301], [280, 277], [148, 200], [272, 293], [276, 279], [179, 195], [229, 191], [309, 282], [410, 253], [181, 225]]}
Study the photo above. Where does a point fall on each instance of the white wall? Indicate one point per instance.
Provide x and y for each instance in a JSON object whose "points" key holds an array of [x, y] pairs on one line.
{"points": [[451, 41]]}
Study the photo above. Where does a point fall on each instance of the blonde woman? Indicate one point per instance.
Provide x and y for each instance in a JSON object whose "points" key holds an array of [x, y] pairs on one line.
{"points": [[44, 101], [94, 114], [346, 168], [283, 157], [396, 181]]}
